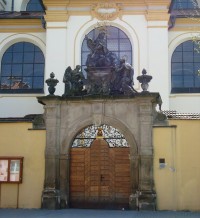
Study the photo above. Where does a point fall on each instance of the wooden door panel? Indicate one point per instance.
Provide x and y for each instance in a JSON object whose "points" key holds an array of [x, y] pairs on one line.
{"points": [[99, 176]]}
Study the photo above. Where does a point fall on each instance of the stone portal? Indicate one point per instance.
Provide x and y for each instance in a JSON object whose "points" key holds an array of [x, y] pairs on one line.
{"points": [[66, 117]]}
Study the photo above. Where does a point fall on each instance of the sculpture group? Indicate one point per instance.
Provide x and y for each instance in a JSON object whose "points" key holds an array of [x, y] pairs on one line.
{"points": [[106, 73]]}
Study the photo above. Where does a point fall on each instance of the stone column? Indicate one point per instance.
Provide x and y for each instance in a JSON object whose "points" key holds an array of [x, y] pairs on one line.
{"points": [[51, 192], [146, 194], [64, 180], [133, 199]]}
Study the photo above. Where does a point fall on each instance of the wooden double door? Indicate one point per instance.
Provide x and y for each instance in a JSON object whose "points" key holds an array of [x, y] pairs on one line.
{"points": [[100, 176]]}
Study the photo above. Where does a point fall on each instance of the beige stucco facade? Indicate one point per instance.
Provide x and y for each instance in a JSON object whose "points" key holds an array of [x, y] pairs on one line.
{"points": [[18, 139], [177, 184]]}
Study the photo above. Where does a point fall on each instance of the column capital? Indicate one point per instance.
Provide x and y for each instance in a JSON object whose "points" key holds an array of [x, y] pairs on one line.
{"points": [[56, 16], [157, 15]]}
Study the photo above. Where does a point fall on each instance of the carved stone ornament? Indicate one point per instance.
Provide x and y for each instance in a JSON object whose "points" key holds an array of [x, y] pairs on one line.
{"points": [[106, 11]]}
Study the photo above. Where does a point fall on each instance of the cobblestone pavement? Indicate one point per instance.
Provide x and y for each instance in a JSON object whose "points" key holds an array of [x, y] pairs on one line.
{"points": [[79, 213]]}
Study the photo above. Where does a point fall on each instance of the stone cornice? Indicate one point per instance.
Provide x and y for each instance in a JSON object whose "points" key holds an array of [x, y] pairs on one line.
{"points": [[157, 15], [60, 10], [57, 3], [154, 96], [21, 25], [84, 3], [186, 24]]}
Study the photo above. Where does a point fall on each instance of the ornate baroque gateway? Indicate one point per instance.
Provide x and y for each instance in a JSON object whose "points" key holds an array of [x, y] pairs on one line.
{"points": [[99, 135]]}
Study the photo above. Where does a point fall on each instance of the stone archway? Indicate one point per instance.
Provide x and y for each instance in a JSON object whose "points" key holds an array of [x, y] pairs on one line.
{"points": [[134, 116], [100, 172]]}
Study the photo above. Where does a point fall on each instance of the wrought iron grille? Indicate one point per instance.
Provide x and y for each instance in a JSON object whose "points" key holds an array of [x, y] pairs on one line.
{"points": [[113, 137]]}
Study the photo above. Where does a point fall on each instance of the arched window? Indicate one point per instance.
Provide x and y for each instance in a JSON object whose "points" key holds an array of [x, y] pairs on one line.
{"points": [[185, 66], [22, 69], [34, 5], [117, 42], [185, 4]]}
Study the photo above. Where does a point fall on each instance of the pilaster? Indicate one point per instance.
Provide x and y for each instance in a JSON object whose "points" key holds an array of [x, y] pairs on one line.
{"points": [[51, 192]]}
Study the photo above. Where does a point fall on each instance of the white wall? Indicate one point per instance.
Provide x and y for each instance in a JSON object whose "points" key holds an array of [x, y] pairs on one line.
{"points": [[19, 106], [152, 44]]}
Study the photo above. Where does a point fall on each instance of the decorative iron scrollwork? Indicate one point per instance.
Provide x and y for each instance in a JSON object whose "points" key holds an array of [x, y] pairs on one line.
{"points": [[87, 135]]}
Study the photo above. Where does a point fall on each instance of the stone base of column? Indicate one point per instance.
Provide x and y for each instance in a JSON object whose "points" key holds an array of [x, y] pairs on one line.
{"points": [[51, 199], [133, 201], [146, 200]]}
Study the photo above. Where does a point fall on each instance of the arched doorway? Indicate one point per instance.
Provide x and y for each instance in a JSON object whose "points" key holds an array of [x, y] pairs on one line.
{"points": [[100, 174]]}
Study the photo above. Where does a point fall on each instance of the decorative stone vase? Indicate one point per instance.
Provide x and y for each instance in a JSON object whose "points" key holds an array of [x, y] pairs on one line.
{"points": [[144, 80], [51, 82]]}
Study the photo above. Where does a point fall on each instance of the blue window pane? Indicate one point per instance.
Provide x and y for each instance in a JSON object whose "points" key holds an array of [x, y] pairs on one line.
{"points": [[34, 5], [28, 69], [7, 58], [188, 57], [122, 35], [27, 83], [38, 83], [188, 68], [16, 83], [18, 47], [177, 68], [185, 4], [10, 49], [17, 70], [197, 81], [113, 45], [188, 81], [125, 44], [177, 81], [196, 57], [36, 48], [6, 70], [179, 47], [84, 57], [5, 83], [29, 57], [39, 57], [196, 67], [113, 32], [188, 46], [17, 57], [28, 47], [177, 57], [84, 46], [38, 69]]}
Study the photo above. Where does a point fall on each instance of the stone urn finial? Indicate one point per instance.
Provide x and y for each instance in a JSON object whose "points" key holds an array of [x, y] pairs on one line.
{"points": [[144, 79], [51, 82]]}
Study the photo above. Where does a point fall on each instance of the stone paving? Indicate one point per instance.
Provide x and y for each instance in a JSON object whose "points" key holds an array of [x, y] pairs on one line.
{"points": [[83, 213]]}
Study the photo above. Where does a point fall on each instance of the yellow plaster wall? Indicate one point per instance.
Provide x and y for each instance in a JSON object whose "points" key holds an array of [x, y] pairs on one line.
{"points": [[17, 140], [178, 184]]}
